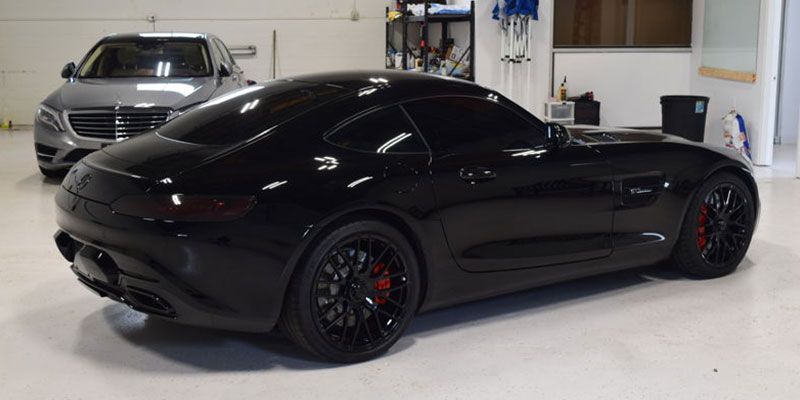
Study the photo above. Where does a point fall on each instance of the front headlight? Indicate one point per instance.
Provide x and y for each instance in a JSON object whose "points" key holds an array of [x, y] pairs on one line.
{"points": [[49, 117], [173, 115]]}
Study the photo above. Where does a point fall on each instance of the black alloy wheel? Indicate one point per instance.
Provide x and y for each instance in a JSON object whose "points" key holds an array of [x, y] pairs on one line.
{"points": [[356, 294], [718, 227], [723, 224], [361, 293]]}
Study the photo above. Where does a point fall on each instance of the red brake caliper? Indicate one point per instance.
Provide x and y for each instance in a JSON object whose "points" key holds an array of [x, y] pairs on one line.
{"points": [[702, 239], [382, 284]]}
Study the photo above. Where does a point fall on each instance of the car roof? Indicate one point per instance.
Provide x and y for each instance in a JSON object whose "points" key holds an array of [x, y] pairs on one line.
{"points": [[156, 35], [359, 79], [388, 85]]}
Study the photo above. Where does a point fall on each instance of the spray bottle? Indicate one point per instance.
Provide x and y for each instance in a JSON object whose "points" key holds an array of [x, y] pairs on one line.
{"points": [[562, 90]]}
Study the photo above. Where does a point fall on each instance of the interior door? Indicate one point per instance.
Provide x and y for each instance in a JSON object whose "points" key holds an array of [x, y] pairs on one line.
{"points": [[504, 199]]}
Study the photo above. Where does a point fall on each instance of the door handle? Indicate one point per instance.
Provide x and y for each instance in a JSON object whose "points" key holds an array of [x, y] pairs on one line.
{"points": [[476, 174]]}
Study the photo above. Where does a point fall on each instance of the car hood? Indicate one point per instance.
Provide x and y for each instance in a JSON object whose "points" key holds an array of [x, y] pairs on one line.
{"points": [[588, 134], [601, 134], [173, 93]]}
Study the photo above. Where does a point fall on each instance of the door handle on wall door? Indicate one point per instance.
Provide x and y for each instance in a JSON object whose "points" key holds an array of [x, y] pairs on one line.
{"points": [[476, 174]]}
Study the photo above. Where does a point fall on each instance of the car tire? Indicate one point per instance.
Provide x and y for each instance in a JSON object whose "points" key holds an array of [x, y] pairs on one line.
{"points": [[353, 295], [717, 228], [53, 173]]}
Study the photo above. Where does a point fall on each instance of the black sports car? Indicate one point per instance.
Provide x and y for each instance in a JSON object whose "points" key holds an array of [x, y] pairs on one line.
{"points": [[339, 205]]}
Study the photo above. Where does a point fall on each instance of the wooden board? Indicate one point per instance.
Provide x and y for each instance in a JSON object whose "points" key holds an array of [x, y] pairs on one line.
{"points": [[741, 76]]}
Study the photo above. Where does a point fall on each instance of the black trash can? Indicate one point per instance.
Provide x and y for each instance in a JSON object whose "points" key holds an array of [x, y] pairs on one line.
{"points": [[684, 116]]}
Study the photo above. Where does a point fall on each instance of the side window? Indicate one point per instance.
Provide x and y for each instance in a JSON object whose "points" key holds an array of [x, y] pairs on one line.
{"points": [[384, 131], [226, 55], [467, 125]]}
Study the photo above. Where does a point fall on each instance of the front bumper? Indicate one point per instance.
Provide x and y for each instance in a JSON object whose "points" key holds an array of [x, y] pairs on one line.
{"points": [[60, 150], [189, 273]]}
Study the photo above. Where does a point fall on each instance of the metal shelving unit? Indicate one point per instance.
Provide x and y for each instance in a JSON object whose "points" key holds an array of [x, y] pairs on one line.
{"points": [[425, 20]]}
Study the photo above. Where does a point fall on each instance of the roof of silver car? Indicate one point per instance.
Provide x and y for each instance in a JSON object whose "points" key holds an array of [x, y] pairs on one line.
{"points": [[164, 35]]}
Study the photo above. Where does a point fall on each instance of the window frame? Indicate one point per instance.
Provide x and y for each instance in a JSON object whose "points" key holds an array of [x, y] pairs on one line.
{"points": [[366, 113], [630, 23], [112, 40], [527, 117]]}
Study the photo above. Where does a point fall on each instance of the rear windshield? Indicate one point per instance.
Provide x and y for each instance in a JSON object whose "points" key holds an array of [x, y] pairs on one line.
{"points": [[245, 113], [148, 57]]}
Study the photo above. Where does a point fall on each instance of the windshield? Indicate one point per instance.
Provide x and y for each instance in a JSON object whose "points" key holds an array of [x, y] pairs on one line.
{"points": [[147, 58], [245, 113]]}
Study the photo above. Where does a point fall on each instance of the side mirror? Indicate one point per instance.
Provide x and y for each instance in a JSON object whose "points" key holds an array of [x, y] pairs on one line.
{"points": [[68, 70], [558, 136], [224, 70]]}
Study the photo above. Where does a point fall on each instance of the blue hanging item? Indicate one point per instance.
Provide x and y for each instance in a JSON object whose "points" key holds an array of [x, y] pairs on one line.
{"points": [[516, 7], [496, 11], [516, 41], [512, 8], [529, 7]]}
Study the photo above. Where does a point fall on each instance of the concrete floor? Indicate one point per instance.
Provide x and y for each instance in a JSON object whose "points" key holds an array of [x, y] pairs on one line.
{"points": [[784, 159], [647, 333]]}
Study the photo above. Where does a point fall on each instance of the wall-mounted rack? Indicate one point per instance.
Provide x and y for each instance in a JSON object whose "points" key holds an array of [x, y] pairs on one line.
{"points": [[425, 20]]}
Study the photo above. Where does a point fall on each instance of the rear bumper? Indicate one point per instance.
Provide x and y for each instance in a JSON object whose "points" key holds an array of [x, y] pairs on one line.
{"points": [[97, 270], [196, 274]]}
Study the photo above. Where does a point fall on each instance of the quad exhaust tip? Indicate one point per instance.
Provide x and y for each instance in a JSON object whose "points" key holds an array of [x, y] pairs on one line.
{"points": [[66, 245]]}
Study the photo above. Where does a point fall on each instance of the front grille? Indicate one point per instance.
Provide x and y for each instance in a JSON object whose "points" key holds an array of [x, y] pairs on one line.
{"points": [[116, 124]]}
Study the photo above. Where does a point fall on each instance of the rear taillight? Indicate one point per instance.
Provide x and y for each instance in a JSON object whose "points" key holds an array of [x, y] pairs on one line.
{"points": [[184, 207]]}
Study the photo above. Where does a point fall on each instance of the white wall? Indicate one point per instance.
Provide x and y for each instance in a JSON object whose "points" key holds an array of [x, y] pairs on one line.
{"points": [[621, 81], [38, 37], [489, 72], [790, 80], [751, 100], [628, 84]]}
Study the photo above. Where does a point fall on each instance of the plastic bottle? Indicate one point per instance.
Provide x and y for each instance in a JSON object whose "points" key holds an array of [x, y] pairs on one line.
{"points": [[3, 117], [562, 90]]}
